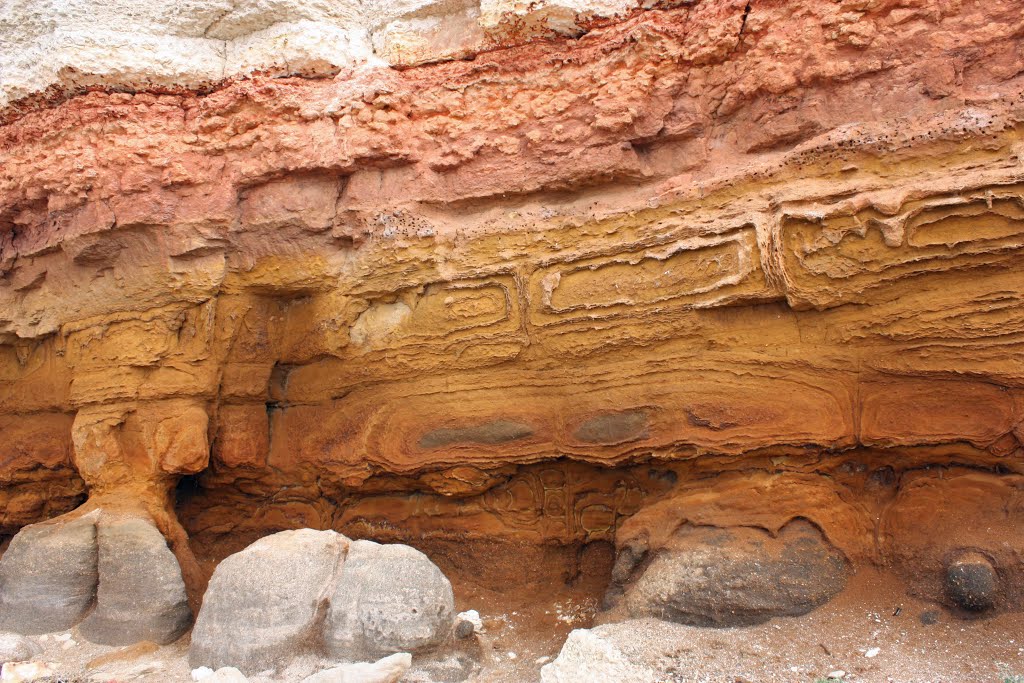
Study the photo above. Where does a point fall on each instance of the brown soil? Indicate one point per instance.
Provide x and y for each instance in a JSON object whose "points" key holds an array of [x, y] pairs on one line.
{"points": [[531, 617]]}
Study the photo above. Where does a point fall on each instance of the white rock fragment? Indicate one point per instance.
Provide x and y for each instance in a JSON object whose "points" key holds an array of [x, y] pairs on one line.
{"points": [[387, 670], [873, 652], [588, 656], [202, 673], [23, 672]]}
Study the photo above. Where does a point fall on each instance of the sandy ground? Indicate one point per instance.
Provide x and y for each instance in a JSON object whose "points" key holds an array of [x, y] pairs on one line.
{"points": [[872, 632]]}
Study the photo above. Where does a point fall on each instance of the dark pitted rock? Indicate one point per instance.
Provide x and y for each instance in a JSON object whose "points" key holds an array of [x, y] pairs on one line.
{"points": [[141, 594], [48, 576], [389, 598], [264, 603], [972, 582], [708, 576]]}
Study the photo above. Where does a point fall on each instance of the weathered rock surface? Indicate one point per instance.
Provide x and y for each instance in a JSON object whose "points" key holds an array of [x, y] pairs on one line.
{"points": [[264, 603], [388, 598], [141, 595], [48, 576], [730, 577], [714, 264], [300, 591]]}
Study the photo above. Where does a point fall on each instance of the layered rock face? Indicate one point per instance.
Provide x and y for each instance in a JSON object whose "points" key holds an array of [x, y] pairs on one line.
{"points": [[712, 278]]}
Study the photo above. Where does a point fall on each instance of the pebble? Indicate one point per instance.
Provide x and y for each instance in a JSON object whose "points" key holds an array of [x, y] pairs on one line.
{"points": [[23, 672], [467, 623], [838, 674], [873, 652]]}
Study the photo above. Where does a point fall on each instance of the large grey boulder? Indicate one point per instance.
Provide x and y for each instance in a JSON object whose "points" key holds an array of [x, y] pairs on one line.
{"points": [[264, 603], [48, 576], [307, 592], [389, 598], [141, 594], [708, 576]]}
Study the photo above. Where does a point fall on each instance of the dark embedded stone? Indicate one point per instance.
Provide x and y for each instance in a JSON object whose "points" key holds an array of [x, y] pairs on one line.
{"points": [[489, 434], [628, 558], [883, 477], [930, 617], [464, 629], [611, 428], [972, 582], [729, 577]]}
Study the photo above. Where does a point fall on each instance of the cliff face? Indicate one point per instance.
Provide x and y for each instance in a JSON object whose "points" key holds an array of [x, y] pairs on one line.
{"points": [[722, 264]]}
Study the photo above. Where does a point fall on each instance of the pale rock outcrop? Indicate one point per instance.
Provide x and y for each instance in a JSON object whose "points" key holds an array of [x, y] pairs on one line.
{"points": [[262, 603], [48, 576], [140, 594], [111, 574]]}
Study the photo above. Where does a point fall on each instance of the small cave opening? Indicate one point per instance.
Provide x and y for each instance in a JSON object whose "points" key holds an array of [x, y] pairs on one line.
{"points": [[187, 488]]}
